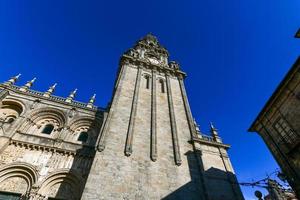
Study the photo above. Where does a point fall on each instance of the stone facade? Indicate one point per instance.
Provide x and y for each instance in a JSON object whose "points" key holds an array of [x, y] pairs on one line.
{"points": [[145, 145], [279, 126], [37, 164]]}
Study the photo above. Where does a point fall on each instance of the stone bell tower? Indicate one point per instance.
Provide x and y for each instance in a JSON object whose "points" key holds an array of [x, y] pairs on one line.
{"points": [[146, 146]]}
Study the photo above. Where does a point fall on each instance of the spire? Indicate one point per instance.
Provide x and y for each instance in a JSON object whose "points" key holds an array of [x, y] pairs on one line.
{"points": [[12, 80], [152, 43], [91, 101], [71, 96], [28, 85], [213, 130], [50, 90], [214, 133]]}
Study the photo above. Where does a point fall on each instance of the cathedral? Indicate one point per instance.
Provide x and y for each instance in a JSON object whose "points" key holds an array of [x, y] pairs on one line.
{"points": [[144, 145]]}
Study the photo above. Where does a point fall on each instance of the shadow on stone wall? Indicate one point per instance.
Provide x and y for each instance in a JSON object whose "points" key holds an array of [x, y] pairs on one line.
{"points": [[73, 185], [195, 189], [222, 185]]}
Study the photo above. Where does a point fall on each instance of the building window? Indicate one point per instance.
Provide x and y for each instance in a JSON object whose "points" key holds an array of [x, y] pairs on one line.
{"points": [[48, 129], [286, 132], [147, 82], [83, 136], [162, 86]]}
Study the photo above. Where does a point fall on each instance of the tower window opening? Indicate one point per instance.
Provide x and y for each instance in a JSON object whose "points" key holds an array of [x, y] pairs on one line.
{"points": [[48, 129], [147, 82], [83, 136], [162, 86]]}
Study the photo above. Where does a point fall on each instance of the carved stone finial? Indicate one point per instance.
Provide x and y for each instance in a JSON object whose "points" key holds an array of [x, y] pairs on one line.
{"points": [[28, 85], [151, 39], [213, 130], [91, 101], [71, 96], [12, 80], [17, 77], [50, 90], [174, 65], [214, 133]]}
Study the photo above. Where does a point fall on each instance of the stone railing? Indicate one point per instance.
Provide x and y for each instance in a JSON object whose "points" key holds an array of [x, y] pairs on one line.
{"points": [[207, 138], [51, 97]]}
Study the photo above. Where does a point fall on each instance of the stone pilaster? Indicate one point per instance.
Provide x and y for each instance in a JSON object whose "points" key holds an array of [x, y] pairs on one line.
{"points": [[128, 147], [173, 123], [153, 119], [230, 176]]}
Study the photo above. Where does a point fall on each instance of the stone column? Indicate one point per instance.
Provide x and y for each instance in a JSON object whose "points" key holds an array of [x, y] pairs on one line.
{"points": [[128, 147], [153, 119], [173, 123]]}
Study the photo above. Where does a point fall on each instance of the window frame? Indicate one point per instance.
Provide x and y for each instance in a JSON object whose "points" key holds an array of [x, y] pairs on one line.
{"points": [[147, 78], [162, 85], [47, 126], [285, 131], [84, 134]]}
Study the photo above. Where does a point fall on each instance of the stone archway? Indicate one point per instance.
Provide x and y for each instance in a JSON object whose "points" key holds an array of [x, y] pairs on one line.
{"points": [[38, 119], [16, 180], [62, 185]]}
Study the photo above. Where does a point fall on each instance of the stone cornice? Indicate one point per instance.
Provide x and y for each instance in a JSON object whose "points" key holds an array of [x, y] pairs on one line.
{"points": [[56, 99], [146, 64]]}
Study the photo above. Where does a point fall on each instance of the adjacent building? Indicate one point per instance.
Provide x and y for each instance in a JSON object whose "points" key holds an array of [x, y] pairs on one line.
{"points": [[279, 125], [298, 34], [144, 145]]}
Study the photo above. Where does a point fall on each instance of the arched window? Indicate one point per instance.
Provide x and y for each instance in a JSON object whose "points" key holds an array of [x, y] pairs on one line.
{"points": [[147, 82], [162, 86], [10, 111], [48, 129], [83, 136]]}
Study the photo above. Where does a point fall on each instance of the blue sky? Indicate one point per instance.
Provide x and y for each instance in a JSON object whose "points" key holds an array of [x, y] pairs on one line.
{"points": [[234, 52]]}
